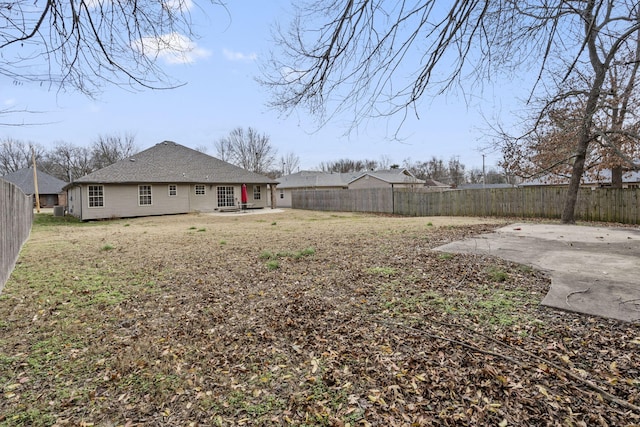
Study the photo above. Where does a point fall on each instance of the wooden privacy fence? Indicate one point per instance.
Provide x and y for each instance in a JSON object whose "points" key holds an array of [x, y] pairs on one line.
{"points": [[603, 204], [16, 218], [363, 200]]}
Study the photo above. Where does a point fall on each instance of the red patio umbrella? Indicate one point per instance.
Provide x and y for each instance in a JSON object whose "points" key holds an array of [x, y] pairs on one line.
{"points": [[244, 197]]}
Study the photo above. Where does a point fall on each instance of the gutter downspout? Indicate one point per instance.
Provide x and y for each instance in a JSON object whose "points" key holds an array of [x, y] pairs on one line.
{"points": [[81, 205]]}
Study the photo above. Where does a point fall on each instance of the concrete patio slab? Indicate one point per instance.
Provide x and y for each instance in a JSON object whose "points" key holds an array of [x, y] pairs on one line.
{"points": [[594, 270]]}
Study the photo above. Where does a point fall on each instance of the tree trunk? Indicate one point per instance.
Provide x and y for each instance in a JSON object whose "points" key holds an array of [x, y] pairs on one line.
{"points": [[599, 68], [616, 176], [571, 198]]}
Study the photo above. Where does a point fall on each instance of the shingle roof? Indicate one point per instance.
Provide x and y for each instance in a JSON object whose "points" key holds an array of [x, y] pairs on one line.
{"points": [[47, 184], [169, 162], [601, 177], [484, 186], [393, 176], [433, 183], [316, 179]]}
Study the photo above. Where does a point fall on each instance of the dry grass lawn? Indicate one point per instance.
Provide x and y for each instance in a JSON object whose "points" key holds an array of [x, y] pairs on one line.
{"points": [[296, 319]]}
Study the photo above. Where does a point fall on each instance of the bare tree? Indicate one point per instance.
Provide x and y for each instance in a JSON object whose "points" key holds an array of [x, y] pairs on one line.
{"points": [[67, 161], [547, 151], [351, 56], [108, 149], [386, 163], [456, 171], [475, 176], [16, 154], [451, 172], [617, 122], [223, 149], [248, 149], [85, 44], [490, 176], [348, 165], [431, 169], [290, 162]]}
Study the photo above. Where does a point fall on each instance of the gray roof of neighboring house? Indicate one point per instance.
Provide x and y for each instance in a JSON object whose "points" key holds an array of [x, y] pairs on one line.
{"points": [[393, 176], [433, 183], [168, 162], [603, 176], [484, 186], [47, 184], [316, 179]]}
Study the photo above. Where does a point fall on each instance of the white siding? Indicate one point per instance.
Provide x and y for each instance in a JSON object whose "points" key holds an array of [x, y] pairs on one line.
{"points": [[265, 195], [283, 197], [74, 201], [206, 202], [121, 201]]}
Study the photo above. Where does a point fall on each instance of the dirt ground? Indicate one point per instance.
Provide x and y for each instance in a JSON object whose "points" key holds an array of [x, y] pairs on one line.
{"points": [[297, 318]]}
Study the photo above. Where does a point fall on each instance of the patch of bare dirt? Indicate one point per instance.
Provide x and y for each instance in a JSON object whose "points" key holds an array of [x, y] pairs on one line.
{"points": [[298, 318]]}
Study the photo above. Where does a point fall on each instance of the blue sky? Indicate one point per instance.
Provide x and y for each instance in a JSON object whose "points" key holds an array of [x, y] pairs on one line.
{"points": [[221, 94]]}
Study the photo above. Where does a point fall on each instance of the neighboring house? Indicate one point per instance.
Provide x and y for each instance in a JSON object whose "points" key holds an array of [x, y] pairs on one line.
{"points": [[316, 180], [167, 178], [433, 185], [50, 188], [311, 180], [391, 178], [602, 179]]}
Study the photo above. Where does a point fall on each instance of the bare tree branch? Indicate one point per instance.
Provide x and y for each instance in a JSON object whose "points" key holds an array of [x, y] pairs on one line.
{"points": [[248, 149], [85, 44]]}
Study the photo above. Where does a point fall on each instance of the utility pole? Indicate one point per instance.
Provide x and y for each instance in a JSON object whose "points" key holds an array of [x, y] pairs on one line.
{"points": [[35, 178], [484, 176]]}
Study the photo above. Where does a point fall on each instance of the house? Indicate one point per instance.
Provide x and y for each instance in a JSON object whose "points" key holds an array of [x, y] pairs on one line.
{"points": [[433, 185], [318, 180], [50, 188], [311, 180], [167, 178], [391, 178]]}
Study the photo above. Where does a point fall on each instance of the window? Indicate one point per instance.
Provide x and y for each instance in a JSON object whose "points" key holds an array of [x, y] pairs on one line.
{"points": [[144, 195], [173, 190], [96, 196], [282, 194], [200, 190], [256, 192], [225, 197]]}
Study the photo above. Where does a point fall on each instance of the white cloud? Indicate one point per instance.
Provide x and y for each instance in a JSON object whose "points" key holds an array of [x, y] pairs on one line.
{"points": [[239, 56], [173, 48]]}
